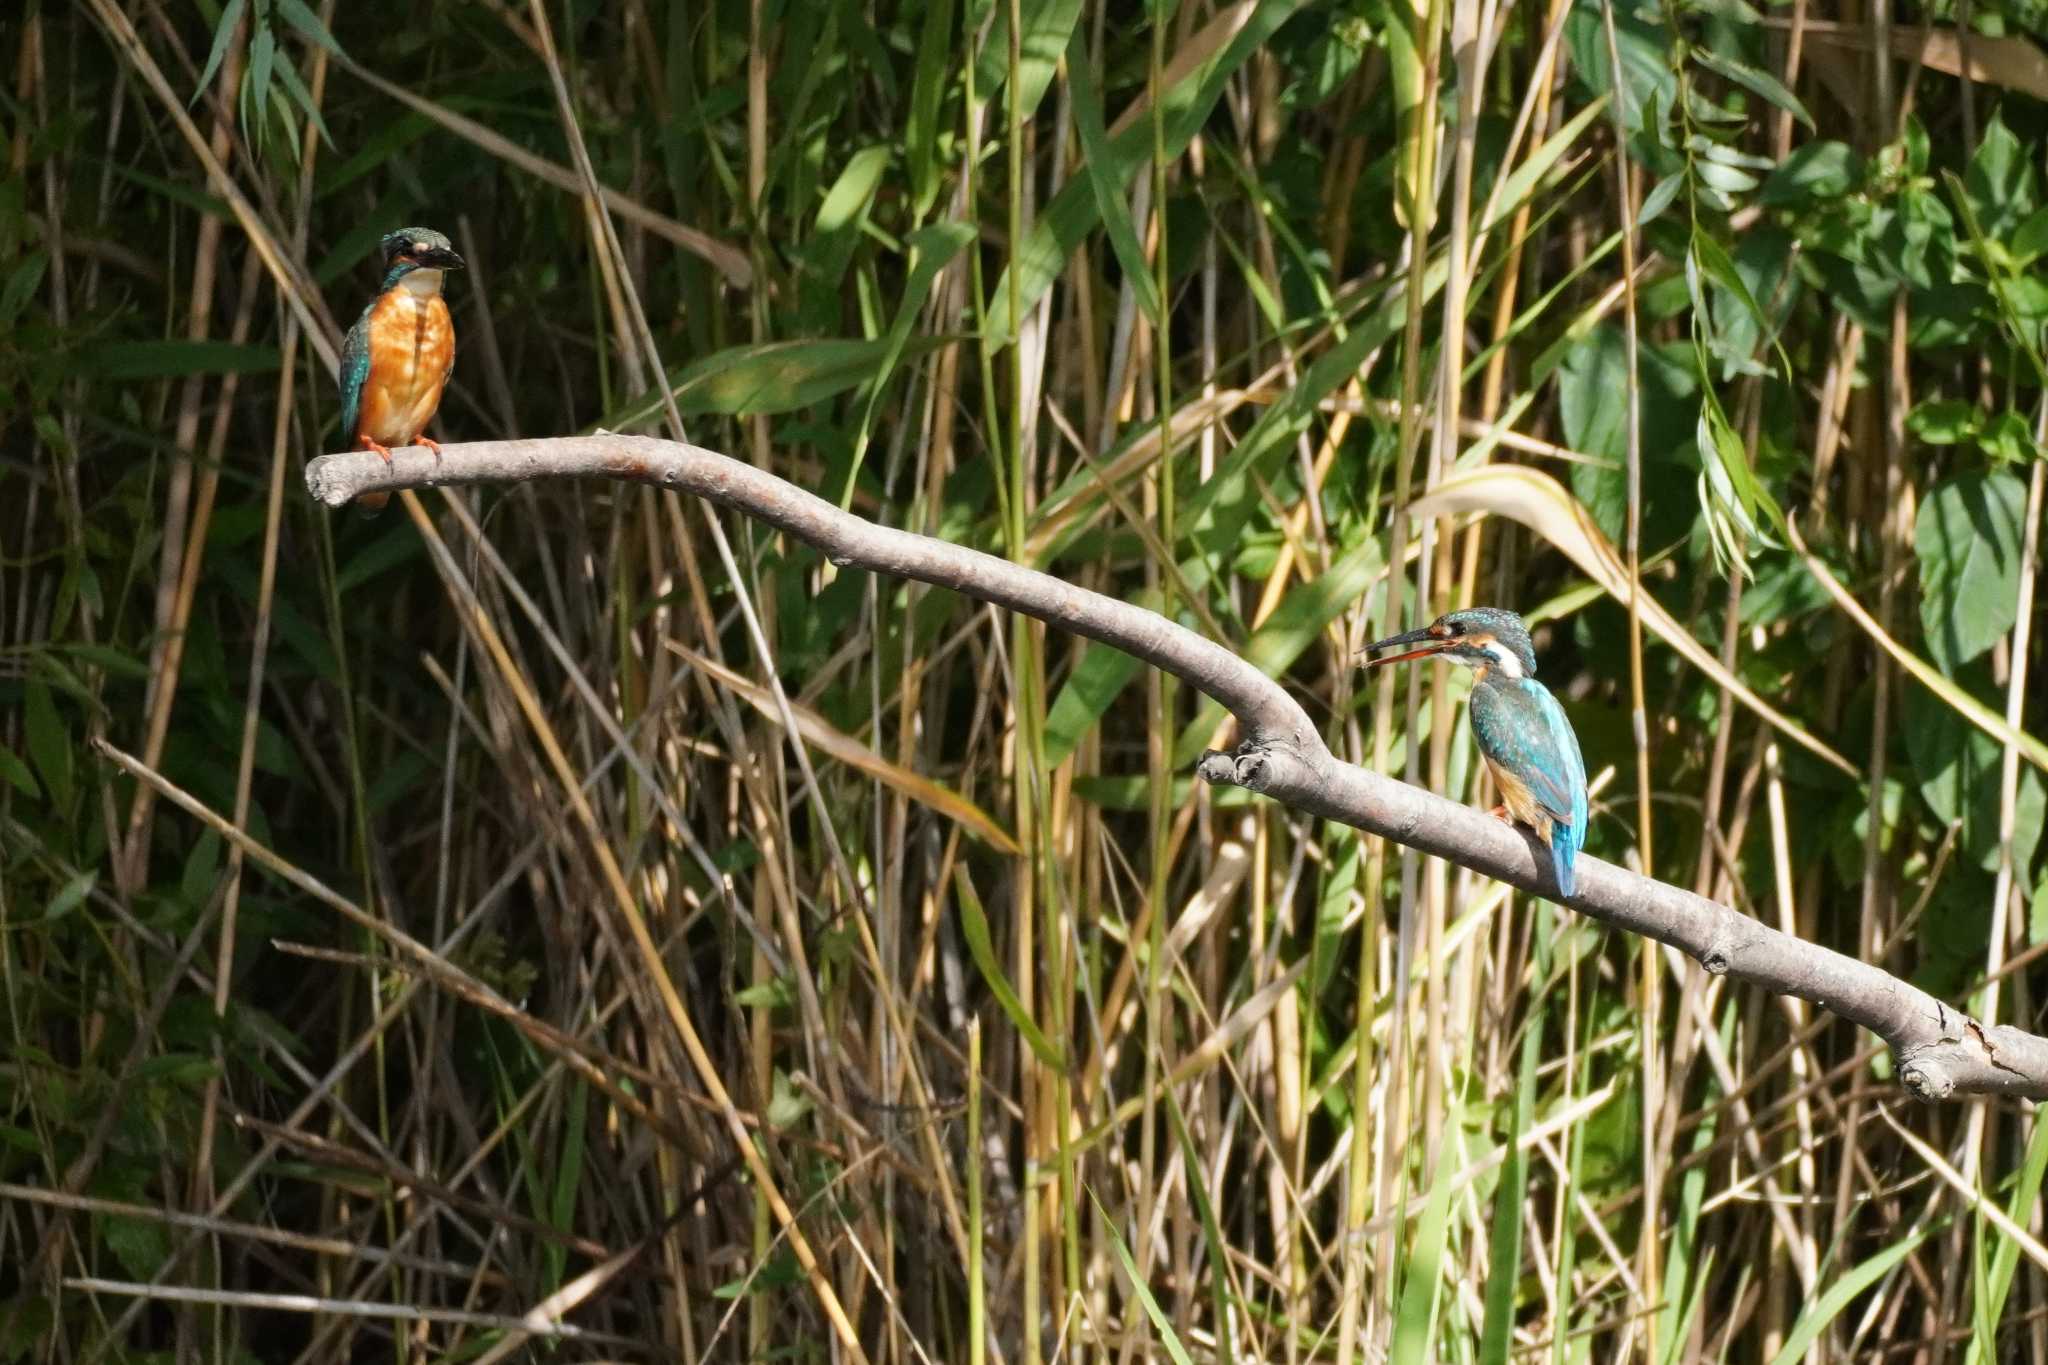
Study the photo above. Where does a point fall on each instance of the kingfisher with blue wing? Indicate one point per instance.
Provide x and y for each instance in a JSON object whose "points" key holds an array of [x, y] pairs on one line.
{"points": [[397, 358], [1523, 735]]}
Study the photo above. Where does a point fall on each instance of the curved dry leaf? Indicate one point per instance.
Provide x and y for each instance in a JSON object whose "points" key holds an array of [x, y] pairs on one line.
{"points": [[835, 743], [1212, 39], [2010, 62], [1964, 705], [1540, 503]]}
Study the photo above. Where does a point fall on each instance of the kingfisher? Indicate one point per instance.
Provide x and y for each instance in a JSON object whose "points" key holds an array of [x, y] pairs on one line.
{"points": [[397, 357], [1523, 735]]}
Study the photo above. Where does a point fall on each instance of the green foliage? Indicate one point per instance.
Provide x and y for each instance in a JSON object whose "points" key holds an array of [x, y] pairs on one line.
{"points": [[1184, 383], [1969, 540], [1957, 766], [1593, 371]]}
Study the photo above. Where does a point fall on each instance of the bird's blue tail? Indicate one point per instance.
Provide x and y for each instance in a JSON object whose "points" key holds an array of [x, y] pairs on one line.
{"points": [[1564, 848]]}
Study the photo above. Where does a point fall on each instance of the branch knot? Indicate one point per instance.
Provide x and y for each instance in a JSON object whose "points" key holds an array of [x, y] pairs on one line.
{"points": [[1245, 768]]}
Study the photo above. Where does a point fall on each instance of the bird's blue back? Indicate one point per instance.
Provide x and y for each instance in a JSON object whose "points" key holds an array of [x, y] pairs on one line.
{"points": [[1567, 841], [354, 373], [1520, 726]]}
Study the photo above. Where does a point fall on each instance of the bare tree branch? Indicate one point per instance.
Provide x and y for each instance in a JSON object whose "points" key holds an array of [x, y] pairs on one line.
{"points": [[1941, 1052]]}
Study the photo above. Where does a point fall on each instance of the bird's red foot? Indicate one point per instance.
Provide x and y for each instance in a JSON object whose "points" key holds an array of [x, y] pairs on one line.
{"points": [[383, 450], [430, 443], [1500, 812]]}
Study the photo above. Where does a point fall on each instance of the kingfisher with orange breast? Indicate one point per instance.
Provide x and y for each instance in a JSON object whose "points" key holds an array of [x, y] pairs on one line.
{"points": [[398, 356], [1523, 735]]}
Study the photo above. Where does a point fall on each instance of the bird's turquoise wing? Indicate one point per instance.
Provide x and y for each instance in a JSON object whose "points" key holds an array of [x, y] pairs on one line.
{"points": [[1567, 742], [355, 372], [1520, 726], [1526, 738]]}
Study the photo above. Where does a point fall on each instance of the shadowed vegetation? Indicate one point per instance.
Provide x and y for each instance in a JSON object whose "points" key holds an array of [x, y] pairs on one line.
{"points": [[434, 919]]}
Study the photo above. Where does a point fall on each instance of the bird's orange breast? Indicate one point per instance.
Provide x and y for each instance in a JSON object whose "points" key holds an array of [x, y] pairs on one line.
{"points": [[1520, 801], [412, 350]]}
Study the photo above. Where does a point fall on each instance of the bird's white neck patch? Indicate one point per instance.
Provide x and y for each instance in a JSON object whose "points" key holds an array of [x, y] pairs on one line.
{"points": [[423, 283], [1503, 659]]}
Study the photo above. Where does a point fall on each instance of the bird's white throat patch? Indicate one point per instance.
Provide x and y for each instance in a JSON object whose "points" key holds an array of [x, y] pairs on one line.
{"points": [[423, 283]]}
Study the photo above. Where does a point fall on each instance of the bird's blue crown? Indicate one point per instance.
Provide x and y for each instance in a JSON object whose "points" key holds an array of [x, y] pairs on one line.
{"points": [[1503, 625], [416, 248], [409, 241]]}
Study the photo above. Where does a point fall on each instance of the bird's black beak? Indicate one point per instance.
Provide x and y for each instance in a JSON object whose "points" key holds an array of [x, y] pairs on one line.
{"points": [[1430, 644], [439, 258]]}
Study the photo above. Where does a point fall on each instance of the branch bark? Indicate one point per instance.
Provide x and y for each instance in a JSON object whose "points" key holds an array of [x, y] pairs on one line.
{"points": [[1941, 1053]]}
